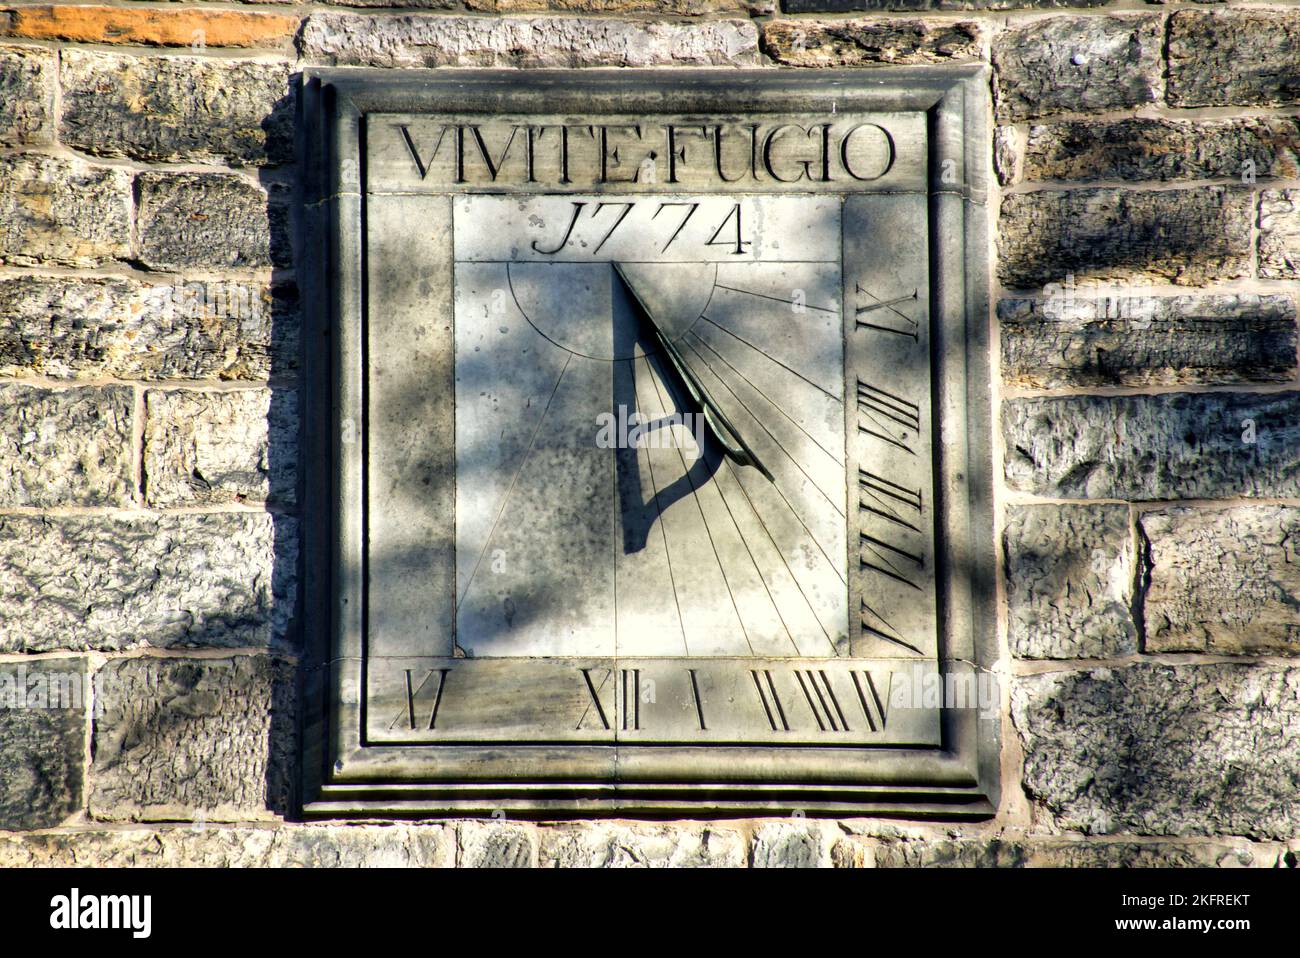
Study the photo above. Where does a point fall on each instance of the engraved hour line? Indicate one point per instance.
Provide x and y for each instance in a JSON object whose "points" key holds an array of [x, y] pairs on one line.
{"points": [[723, 359], [797, 464], [487, 542], [412, 693], [668, 556], [778, 299], [913, 332], [695, 496], [883, 407], [790, 572], [803, 525], [791, 371]]}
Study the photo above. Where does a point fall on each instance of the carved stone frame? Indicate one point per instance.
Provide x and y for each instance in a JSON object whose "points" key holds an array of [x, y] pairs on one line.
{"points": [[343, 776]]}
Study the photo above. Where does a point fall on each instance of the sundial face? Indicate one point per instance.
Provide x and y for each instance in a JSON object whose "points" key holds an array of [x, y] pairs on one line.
{"points": [[637, 477], [662, 471]]}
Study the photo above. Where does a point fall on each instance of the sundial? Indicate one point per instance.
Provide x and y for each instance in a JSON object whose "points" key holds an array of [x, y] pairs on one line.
{"points": [[653, 410]]}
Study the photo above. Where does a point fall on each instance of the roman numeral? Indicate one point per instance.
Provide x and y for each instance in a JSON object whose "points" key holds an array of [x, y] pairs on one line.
{"points": [[631, 683], [627, 699], [874, 623], [888, 417], [817, 691], [695, 697], [594, 691], [889, 560], [906, 327], [413, 691], [875, 707], [889, 500], [772, 706]]}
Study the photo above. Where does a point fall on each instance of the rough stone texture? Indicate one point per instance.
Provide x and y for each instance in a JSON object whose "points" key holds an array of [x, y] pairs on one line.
{"points": [[1148, 149], [429, 41], [173, 28], [822, 43], [599, 845], [795, 843], [68, 327], [222, 580], [1223, 580], [211, 220], [1027, 851], [1069, 576], [1234, 58], [1164, 750], [1190, 237], [666, 8], [224, 846], [210, 447], [26, 96], [1171, 446], [1008, 158], [62, 212], [181, 738], [169, 109], [1077, 64], [496, 845], [65, 447], [1279, 234], [1131, 338], [43, 728]]}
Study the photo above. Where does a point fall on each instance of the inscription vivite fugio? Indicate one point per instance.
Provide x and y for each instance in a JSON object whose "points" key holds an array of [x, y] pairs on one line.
{"points": [[788, 548], [792, 152]]}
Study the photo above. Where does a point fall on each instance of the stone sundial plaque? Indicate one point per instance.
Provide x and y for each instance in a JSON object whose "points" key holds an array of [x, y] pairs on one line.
{"points": [[646, 420]]}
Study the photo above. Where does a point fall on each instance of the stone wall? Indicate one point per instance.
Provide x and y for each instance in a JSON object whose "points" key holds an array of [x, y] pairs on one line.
{"points": [[1149, 441]]}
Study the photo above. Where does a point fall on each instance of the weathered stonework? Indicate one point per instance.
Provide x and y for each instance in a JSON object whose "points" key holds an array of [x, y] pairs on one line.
{"points": [[667, 8], [1171, 446], [1189, 237], [214, 447], [26, 96], [1076, 64], [66, 327], [173, 109], [496, 845], [62, 212], [1163, 750], [1135, 339], [794, 843], [423, 41], [828, 43], [211, 220], [186, 738], [174, 28], [66, 447], [112, 584], [642, 845], [143, 237], [1223, 580], [1069, 574], [226, 846], [1148, 149], [1279, 234], [43, 727], [1231, 57]]}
